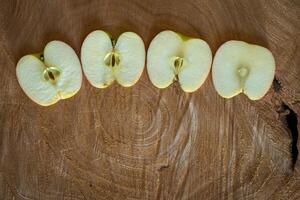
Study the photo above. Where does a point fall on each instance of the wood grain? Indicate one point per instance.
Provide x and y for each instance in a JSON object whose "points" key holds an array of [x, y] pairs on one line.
{"points": [[141, 142]]}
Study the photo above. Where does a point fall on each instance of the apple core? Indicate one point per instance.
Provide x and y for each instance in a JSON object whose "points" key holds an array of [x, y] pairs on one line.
{"points": [[243, 72], [112, 59], [51, 74], [178, 62]]}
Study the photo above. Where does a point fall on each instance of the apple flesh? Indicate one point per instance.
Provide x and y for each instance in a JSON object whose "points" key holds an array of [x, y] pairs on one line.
{"points": [[105, 60], [50, 76], [173, 57], [239, 67]]}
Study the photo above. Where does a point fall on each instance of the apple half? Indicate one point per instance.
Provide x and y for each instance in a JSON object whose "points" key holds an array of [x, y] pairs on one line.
{"points": [[239, 67], [174, 57], [105, 59], [50, 76]]}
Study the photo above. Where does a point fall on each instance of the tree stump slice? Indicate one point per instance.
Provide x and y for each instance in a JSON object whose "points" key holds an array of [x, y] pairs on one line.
{"points": [[142, 142]]}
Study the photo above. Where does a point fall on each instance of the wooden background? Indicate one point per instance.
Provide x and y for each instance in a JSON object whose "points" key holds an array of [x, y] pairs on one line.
{"points": [[141, 142]]}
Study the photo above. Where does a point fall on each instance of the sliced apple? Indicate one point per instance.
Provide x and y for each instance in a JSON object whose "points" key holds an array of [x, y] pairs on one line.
{"points": [[50, 76], [105, 59], [239, 67], [172, 56]]}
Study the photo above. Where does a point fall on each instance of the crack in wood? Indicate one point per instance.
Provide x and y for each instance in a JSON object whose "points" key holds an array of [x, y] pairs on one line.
{"points": [[291, 120], [276, 85]]}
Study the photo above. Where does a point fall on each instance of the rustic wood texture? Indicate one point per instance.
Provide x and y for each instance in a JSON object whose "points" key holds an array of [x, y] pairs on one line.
{"points": [[142, 142]]}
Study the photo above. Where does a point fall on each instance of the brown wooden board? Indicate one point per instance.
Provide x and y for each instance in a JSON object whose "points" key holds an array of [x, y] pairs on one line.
{"points": [[142, 142]]}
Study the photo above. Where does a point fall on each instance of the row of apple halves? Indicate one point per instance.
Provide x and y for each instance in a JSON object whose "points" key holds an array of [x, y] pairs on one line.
{"points": [[54, 74]]}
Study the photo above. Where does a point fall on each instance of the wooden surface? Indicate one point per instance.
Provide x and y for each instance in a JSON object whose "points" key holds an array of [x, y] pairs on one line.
{"points": [[141, 142]]}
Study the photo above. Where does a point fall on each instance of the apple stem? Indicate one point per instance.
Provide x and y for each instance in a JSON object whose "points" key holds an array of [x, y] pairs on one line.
{"points": [[113, 42]]}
